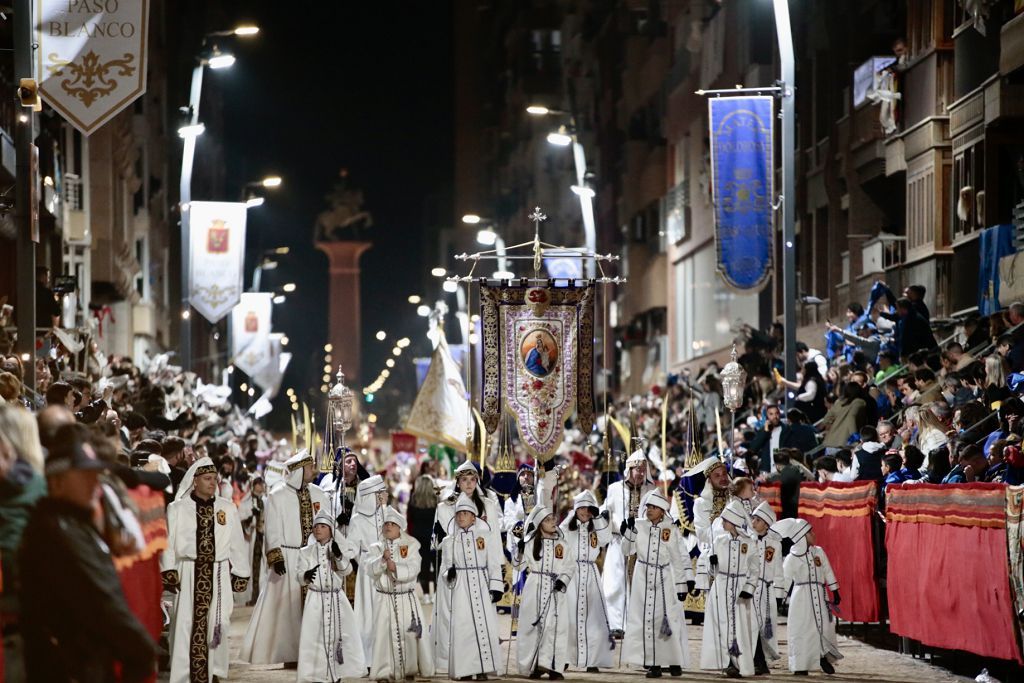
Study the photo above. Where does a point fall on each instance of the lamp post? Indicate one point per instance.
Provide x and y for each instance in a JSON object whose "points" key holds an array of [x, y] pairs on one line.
{"points": [[784, 33], [489, 237], [734, 381], [564, 137], [215, 58]]}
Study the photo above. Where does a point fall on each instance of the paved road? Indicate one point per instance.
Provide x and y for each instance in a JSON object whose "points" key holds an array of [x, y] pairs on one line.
{"points": [[861, 662]]}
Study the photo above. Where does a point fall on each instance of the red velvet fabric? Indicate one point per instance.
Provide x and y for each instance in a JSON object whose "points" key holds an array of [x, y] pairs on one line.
{"points": [[949, 588], [847, 542]]}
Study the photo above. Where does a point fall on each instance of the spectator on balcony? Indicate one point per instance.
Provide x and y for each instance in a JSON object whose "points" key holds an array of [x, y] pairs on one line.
{"points": [[803, 435], [933, 425], [1011, 347], [916, 295], [844, 418], [913, 332], [996, 463], [61, 394], [47, 306], [972, 466], [892, 465], [804, 353], [768, 440], [866, 464], [1010, 414], [995, 390], [810, 390]]}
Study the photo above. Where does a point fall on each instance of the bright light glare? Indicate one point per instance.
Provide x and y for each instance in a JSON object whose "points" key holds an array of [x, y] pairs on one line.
{"points": [[279, 299], [423, 310], [290, 287], [328, 347], [253, 202], [385, 373], [390, 362], [450, 286], [560, 138], [538, 110], [284, 341], [583, 191], [487, 237], [282, 250], [271, 181], [403, 342], [438, 272], [414, 299], [471, 219], [221, 61], [247, 30], [381, 335], [503, 275], [252, 392], [191, 131]]}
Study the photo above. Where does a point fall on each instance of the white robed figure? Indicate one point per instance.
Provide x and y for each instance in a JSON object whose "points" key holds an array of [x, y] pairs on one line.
{"points": [[728, 644], [622, 502], [467, 481], [586, 533], [769, 586], [471, 566], [205, 560], [252, 512], [402, 649], [811, 629], [542, 641], [655, 623], [364, 529], [273, 633], [329, 646]]}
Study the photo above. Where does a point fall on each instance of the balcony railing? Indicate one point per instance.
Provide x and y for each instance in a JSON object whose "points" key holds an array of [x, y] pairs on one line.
{"points": [[883, 252]]}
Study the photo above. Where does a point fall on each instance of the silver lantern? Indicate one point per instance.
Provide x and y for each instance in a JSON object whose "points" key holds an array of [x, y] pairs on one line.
{"points": [[734, 380]]}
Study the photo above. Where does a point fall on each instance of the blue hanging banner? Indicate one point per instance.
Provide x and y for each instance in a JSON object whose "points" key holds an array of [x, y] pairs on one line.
{"points": [[741, 177]]}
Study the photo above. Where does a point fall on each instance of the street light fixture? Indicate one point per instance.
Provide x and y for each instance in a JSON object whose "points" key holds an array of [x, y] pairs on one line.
{"points": [[450, 286], [438, 272], [220, 60], [191, 131], [246, 30], [283, 251], [271, 181], [289, 287], [560, 137], [471, 219], [279, 299], [423, 310], [487, 237], [253, 201], [414, 299]]}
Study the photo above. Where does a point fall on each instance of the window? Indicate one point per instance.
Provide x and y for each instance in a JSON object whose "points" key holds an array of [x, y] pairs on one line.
{"points": [[968, 190]]}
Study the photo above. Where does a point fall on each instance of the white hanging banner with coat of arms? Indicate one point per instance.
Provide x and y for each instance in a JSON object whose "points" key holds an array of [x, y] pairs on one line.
{"points": [[538, 361], [250, 331], [218, 253], [90, 57]]}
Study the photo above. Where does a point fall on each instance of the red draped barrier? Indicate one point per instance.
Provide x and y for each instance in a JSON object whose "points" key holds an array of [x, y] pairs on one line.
{"points": [[840, 514], [948, 572]]}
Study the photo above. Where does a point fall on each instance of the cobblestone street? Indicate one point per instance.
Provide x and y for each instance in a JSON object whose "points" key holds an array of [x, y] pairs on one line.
{"points": [[861, 662]]}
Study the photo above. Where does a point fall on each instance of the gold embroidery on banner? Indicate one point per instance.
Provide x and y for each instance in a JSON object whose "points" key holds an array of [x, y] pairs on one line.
{"points": [[89, 80], [202, 597]]}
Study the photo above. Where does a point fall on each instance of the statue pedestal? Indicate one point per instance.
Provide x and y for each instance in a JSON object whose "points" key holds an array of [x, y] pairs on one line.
{"points": [[343, 314]]}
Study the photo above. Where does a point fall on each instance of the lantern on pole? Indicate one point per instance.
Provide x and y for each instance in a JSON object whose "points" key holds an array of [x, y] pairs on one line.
{"points": [[339, 420], [734, 381]]}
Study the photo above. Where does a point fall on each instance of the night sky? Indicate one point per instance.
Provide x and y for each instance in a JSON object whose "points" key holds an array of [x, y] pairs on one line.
{"points": [[365, 86]]}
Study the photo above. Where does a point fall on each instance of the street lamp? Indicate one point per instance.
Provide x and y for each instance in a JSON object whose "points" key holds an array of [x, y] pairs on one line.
{"points": [[438, 271], [560, 137], [250, 194], [471, 219], [488, 237], [189, 132], [414, 299]]}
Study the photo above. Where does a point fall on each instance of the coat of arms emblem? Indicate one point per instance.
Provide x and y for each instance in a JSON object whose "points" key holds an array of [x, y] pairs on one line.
{"points": [[222, 517], [252, 322], [217, 237]]}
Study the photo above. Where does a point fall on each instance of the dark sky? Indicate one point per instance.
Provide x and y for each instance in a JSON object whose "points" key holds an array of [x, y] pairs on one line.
{"points": [[362, 85]]}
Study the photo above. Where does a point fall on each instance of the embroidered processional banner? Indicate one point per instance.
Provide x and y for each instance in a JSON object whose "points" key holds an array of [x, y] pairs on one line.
{"points": [[741, 175], [538, 361]]}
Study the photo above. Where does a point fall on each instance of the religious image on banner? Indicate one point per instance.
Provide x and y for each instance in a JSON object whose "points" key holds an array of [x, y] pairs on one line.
{"points": [[217, 254], [742, 185], [538, 358], [250, 331]]}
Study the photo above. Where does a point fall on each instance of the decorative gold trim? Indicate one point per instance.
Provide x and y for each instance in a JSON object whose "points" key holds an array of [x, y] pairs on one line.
{"points": [[238, 583], [275, 555], [170, 579], [202, 597]]}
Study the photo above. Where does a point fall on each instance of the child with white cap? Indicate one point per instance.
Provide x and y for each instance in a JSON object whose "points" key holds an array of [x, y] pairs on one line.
{"points": [[812, 625], [543, 637], [655, 622], [769, 586], [329, 645], [401, 650], [586, 532], [730, 577]]}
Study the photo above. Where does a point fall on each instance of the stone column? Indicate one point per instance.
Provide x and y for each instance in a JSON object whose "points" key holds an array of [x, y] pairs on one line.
{"points": [[344, 327]]}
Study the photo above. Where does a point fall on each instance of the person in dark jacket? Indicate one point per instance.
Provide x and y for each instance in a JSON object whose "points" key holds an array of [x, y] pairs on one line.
{"points": [[774, 436], [802, 435], [420, 515], [913, 333], [79, 626]]}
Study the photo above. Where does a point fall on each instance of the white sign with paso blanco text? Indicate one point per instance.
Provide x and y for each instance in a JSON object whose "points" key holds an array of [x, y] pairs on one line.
{"points": [[90, 57], [217, 256]]}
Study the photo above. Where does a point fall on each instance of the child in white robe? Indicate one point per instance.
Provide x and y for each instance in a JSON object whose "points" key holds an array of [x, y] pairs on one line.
{"points": [[586, 533], [728, 643], [769, 587], [655, 622], [329, 645], [364, 529], [812, 625], [401, 649], [543, 637], [471, 568]]}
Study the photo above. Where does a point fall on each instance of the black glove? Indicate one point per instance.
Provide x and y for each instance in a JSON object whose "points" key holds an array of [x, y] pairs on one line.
{"points": [[439, 533], [604, 513], [343, 519], [560, 586], [520, 546], [631, 523], [622, 528], [713, 561], [335, 550], [691, 586], [695, 593], [452, 573], [279, 567], [744, 595], [686, 532], [310, 575], [681, 596], [787, 545], [835, 598], [495, 596]]}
